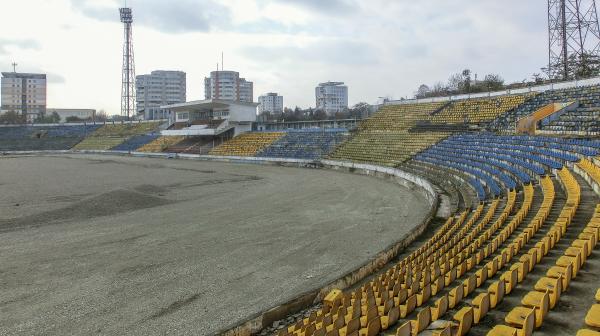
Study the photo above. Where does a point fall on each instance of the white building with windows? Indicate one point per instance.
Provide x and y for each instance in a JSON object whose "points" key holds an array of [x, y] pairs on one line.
{"points": [[212, 117], [157, 89], [24, 94], [227, 85], [270, 102], [331, 97]]}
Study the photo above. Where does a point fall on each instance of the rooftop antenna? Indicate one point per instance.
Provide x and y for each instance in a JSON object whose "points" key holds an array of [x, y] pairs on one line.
{"points": [[14, 64], [222, 62]]}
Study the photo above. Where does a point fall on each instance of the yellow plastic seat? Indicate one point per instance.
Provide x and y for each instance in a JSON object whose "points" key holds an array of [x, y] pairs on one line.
{"points": [[522, 270], [455, 296], [372, 328], [586, 245], [469, 284], [587, 332], [481, 276], [391, 318], [492, 268], [409, 306], [553, 286], [405, 329], [423, 295], [461, 324], [521, 320], [598, 295], [510, 280], [437, 285], [439, 307], [496, 291], [351, 327], [566, 260], [563, 273], [423, 320], [592, 318], [400, 297], [576, 252], [372, 313], [481, 306], [525, 329], [386, 307], [541, 302]]}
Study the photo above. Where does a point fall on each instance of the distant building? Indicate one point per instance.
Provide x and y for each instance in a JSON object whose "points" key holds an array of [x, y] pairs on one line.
{"points": [[157, 89], [270, 102], [331, 97], [23, 93], [212, 117], [227, 85], [64, 114]]}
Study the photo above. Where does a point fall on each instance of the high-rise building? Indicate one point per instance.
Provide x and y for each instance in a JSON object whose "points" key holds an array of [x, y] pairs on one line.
{"points": [[227, 85], [331, 97], [24, 93], [157, 89], [270, 102]]}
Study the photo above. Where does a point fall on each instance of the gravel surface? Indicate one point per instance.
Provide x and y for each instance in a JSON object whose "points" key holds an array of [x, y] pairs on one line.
{"points": [[138, 246]]}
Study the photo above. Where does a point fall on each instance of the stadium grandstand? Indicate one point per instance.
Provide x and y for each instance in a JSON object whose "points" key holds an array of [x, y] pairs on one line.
{"points": [[518, 173]]}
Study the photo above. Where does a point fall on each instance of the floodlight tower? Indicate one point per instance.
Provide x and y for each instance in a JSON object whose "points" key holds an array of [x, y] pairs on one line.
{"points": [[128, 75], [574, 36]]}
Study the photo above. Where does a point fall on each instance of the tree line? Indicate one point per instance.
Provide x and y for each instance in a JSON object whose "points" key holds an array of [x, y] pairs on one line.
{"points": [[358, 111], [461, 83]]}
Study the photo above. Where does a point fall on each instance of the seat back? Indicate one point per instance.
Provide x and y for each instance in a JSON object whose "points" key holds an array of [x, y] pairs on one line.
{"points": [[404, 330], [481, 306], [465, 320], [528, 324], [423, 319], [440, 307], [374, 327]]}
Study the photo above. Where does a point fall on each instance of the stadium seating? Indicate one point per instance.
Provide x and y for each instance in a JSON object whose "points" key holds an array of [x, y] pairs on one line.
{"points": [[588, 98], [478, 110], [478, 259], [305, 144], [592, 318], [385, 137], [111, 135], [582, 121], [23, 138], [135, 142], [192, 145], [160, 144], [247, 144]]}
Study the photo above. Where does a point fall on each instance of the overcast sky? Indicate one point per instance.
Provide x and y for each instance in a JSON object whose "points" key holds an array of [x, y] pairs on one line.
{"points": [[378, 47]]}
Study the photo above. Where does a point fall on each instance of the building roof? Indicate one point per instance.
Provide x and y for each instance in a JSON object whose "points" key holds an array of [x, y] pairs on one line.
{"points": [[205, 104], [23, 75]]}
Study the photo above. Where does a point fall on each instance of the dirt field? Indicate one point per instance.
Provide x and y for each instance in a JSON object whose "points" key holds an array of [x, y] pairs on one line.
{"points": [[136, 246]]}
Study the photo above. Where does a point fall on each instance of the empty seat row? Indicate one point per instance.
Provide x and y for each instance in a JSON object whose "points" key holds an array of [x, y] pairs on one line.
{"points": [[247, 144]]}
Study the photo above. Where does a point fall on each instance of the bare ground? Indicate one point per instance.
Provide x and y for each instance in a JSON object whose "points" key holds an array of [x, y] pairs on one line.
{"points": [[137, 246]]}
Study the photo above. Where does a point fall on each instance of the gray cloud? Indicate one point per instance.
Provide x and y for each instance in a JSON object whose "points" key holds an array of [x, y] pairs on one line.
{"points": [[167, 16], [21, 44], [340, 52], [55, 78], [324, 6]]}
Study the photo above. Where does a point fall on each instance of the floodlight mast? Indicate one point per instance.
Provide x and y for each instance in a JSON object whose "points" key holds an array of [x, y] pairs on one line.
{"points": [[128, 69]]}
